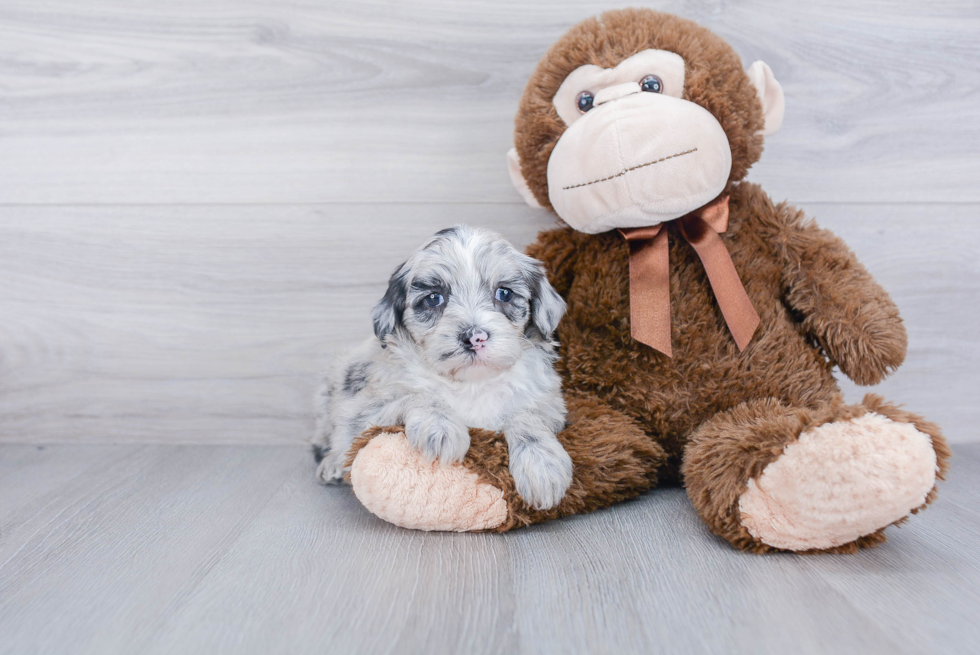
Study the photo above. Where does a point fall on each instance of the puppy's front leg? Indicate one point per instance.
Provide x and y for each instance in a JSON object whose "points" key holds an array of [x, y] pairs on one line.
{"points": [[331, 468], [541, 468], [436, 431]]}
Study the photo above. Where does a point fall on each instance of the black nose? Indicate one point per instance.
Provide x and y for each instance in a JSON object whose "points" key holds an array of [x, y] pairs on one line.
{"points": [[474, 338]]}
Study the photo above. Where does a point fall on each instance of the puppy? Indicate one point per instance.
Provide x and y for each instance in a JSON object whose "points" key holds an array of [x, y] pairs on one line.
{"points": [[463, 340]]}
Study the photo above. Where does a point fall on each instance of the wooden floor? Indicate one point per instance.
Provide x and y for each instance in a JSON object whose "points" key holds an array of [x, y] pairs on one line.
{"points": [[234, 549]]}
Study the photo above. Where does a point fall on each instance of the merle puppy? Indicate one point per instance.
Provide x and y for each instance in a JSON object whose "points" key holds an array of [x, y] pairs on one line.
{"points": [[463, 340]]}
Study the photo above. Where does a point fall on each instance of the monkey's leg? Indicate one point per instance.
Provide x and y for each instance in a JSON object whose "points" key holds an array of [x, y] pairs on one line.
{"points": [[766, 476], [612, 460]]}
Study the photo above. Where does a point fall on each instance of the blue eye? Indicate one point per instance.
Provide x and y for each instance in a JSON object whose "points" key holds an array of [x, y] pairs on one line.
{"points": [[652, 83], [504, 294], [433, 300], [584, 101]]}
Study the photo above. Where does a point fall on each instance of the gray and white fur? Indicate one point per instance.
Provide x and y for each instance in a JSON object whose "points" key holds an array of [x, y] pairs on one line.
{"points": [[463, 339]]}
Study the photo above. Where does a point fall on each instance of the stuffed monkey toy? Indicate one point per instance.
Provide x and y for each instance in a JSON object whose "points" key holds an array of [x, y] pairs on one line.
{"points": [[703, 320]]}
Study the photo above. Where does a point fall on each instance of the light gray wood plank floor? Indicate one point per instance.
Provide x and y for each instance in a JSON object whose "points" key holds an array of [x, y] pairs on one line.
{"points": [[234, 549]]}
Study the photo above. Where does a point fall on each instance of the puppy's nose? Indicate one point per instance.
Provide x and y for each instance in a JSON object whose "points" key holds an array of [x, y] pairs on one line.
{"points": [[474, 338]]}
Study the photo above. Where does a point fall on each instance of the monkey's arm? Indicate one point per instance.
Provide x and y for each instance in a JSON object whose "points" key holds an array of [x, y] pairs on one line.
{"points": [[843, 308], [556, 249]]}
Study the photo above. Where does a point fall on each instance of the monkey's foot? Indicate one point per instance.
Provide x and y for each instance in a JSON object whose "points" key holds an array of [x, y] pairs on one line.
{"points": [[392, 481], [839, 482]]}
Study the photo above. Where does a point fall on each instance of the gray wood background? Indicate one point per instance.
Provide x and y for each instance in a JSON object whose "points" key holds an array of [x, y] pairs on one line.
{"points": [[200, 201]]}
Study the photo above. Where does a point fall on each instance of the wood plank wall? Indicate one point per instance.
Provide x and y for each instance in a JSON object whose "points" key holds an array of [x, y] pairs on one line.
{"points": [[199, 202]]}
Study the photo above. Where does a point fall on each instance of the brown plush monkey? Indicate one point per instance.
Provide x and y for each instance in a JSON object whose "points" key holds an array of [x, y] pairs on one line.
{"points": [[692, 350]]}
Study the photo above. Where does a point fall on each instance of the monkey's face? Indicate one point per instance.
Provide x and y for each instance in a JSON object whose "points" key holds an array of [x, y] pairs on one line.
{"points": [[635, 152], [638, 143]]}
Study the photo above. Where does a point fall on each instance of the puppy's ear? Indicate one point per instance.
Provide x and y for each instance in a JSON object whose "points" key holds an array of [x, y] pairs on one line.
{"points": [[547, 307], [390, 311]]}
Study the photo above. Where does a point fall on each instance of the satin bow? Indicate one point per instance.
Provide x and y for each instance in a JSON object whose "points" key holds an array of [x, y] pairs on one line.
{"points": [[650, 277]]}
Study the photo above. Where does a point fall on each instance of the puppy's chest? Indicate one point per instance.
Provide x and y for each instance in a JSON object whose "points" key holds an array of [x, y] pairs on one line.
{"points": [[484, 406]]}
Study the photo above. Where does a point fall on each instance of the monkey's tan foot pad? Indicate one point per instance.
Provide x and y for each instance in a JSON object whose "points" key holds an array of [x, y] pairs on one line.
{"points": [[392, 481], [838, 482]]}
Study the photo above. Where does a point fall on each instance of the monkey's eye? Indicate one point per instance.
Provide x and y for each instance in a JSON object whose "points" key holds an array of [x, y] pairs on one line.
{"points": [[433, 300], [584, 101], [652, 83], [503, 294]]}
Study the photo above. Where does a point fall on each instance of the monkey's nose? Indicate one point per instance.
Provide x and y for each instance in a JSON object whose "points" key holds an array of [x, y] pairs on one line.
{"points": [[474, 339], [615, 92]]}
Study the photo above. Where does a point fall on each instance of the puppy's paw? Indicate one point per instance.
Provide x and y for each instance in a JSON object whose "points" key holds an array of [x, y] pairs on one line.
{"points": [[331, 469], [542, 471], [437, 435]]}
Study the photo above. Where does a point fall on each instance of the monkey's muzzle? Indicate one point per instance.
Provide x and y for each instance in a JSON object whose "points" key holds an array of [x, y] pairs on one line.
{"points": [[637, 160]]}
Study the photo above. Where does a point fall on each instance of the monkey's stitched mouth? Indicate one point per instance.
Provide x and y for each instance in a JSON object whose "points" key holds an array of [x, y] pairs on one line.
{"points": [[631, 168]]}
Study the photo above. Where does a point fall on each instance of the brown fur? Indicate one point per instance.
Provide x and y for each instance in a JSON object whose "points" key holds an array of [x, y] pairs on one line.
{"points": [[713, 75], [711, 415], [818, 307]]}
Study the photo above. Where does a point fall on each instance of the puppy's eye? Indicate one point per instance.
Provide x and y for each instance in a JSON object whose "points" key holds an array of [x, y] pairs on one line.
{"points": [[433, 300], [652, 83], [503, 294], [584, 101]]}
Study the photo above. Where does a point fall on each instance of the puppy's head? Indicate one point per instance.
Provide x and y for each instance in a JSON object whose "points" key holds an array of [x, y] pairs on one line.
{"points": [[470, 303]]}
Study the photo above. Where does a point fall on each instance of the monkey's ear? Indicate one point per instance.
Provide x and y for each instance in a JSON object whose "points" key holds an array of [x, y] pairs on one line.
{"points": [[770, 95], [390, 310], [517, 178]]}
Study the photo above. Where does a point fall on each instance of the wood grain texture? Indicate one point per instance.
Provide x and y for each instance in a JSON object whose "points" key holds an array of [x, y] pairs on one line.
{"points": [[210, 324], [96, 563], [639, 579], [200, 202], [339, 580], [265, 101], [196, 549], [194, 324]]}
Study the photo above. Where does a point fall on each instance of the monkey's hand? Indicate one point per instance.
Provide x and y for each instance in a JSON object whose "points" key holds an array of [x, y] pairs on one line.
{"points": [[842, 307]]}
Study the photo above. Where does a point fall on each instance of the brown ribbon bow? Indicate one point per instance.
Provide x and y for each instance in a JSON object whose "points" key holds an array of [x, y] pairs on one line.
{"points": [[650, 277]]}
